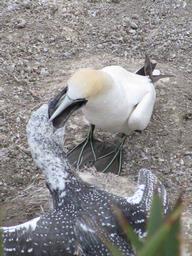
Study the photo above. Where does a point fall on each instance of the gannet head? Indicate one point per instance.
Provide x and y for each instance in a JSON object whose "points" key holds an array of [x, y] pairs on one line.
{"points": [[85, 85]]}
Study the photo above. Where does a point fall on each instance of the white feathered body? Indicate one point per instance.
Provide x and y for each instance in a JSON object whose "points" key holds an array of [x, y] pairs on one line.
{"points": [[127, 106]]}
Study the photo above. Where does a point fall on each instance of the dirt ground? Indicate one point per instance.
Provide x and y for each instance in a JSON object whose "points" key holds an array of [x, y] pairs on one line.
{"points": [[43, 42]]}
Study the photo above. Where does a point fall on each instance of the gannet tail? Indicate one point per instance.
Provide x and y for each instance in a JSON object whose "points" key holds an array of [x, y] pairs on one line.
{"points": [[149, 70]]}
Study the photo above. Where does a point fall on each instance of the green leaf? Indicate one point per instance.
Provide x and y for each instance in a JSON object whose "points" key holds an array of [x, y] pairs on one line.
{"points": [[127, 229], [157, 241], [114, 250], [172, 244], [1, 244], [1, 238], [156, 217]]}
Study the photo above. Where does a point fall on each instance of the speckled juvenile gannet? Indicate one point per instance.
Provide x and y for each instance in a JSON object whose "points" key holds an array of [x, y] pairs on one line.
{"points": [[65, 230], [114, 100]]}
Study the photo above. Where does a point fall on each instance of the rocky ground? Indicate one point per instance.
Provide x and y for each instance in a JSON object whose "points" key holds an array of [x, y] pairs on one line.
{"points": [[43, 42]]}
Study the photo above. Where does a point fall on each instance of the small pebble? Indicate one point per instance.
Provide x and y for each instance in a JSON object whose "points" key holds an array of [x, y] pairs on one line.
{"points": [[132, 31], [44, 72], [133, 25], [21, 23], [135, 17]]}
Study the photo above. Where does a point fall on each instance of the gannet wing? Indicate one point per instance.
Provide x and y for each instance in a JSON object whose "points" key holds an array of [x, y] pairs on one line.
{"points": [[93, 238], [141, 115], [22, 233], [148, 185], [140, 203], [91, 231]]}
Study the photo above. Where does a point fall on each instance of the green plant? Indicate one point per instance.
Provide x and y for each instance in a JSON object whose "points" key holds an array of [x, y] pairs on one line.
{"points": [[163, 234], [1, 244], [1, 239]]}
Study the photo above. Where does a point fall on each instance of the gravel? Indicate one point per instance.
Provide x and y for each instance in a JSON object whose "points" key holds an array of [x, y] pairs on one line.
{"points": [[43, 42]]}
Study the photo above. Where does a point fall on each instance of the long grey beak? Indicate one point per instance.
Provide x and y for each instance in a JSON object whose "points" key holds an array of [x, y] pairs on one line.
{"points": [[61, 107]]}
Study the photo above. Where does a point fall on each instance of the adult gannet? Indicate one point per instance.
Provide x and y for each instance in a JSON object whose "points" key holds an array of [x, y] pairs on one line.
{"points": [[65, 230], [114, 100]]}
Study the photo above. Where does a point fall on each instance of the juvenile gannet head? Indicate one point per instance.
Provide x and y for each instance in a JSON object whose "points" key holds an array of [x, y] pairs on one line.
{"points": [[83, 86]]}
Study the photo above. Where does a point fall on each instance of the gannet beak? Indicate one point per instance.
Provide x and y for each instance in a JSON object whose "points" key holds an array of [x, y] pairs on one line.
{"points": [[61, 108]]}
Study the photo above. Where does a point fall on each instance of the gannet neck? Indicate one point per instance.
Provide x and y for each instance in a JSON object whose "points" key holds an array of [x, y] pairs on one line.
{"points": [[47, 152]]}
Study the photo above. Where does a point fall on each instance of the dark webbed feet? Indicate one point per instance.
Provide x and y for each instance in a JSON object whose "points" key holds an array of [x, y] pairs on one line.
{"points": [[106, 157], [88, 151], [112, 161]]}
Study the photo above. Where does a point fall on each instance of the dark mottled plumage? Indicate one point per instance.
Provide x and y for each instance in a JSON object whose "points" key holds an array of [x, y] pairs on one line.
{"points": [[70, 228]]}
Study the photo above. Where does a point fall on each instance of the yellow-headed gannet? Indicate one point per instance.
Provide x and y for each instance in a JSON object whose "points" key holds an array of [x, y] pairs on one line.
{"points": [[114, 100]]}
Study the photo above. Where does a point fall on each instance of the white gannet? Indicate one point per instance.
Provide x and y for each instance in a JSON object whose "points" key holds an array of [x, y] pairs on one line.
{"points": [[79, 209], [114, 100]]}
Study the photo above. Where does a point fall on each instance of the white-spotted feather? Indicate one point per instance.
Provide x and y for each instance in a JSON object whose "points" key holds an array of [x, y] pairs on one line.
{"points": [[59, 232]]}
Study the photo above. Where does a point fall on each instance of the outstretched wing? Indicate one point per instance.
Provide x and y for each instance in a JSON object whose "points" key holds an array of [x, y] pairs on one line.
{"points": [[148, 185], [140, 203], [22, 233], [94, 239], [93, 233]]}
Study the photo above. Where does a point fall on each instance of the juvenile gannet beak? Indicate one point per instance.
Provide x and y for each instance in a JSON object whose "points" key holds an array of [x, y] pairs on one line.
{"points": [[62, 106]]}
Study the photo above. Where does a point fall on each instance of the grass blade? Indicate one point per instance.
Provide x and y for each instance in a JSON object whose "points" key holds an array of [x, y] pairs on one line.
{"points": [[127, 229], [156, 216], [172, 244], [1, 237], [114, 250], [152, 246]]}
